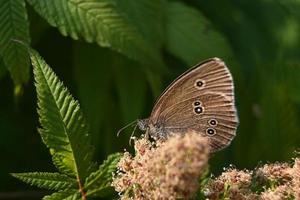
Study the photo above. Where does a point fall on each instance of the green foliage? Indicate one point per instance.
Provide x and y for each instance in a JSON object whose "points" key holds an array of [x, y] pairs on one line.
{"points": [[139, 12], [191, 37], [64, 129], [64, 195], [65, 133], [119, 76], [99, 181], [51, 181], [98, 21], [14, 26], [109, 23]]}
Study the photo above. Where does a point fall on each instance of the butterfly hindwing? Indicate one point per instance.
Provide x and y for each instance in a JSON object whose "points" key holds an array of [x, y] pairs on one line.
{"points": [[209, 114]]}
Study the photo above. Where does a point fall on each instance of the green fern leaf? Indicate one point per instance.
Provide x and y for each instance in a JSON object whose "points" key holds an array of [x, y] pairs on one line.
{"points": [[200, 43], [64, 195], [51, 181], [98, 21], [61, 166], [64, 129], [14, 25], [99, 181]]}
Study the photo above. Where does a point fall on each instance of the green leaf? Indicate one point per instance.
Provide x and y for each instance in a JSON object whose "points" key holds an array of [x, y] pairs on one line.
{"points": [[59, 164], [64, 195], [99, 181], [98, 21], [51, 181], [139, 12], [191, 37], [14, 26], [64, 129]]}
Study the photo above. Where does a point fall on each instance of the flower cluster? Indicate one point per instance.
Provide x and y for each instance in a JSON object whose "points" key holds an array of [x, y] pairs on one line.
{"points": [[274, 173], [163, 170], [296, 179], [278, 181], [232, 183], [171, 169]]}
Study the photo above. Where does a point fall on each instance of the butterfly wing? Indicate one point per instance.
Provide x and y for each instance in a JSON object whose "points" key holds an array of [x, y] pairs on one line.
{"points": [[202, 100]]}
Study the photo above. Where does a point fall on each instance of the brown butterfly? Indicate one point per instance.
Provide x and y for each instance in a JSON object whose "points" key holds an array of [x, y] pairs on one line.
{"points": [[200, 100]]}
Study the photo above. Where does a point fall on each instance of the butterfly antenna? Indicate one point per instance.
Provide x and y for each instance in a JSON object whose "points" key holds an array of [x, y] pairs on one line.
{"points": [[131, 123]]}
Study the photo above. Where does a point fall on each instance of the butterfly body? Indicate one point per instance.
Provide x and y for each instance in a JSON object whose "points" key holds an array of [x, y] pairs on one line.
{"points": [[200, 100], [156, 131]]}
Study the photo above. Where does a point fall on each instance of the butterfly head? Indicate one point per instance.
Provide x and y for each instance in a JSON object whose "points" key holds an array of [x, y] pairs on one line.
{"points": [[156, 131], [143, 124]]}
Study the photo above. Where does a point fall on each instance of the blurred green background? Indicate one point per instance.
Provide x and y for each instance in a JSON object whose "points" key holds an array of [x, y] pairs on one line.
{"points": [[259, 40]]}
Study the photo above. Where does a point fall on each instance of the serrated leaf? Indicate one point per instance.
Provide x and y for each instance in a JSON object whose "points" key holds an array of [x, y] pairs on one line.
{"points": [[64, 129], [57, 161], [47, 180], [64, 195], [100, 180], [14, 26], [98, 21], [190, 36]]}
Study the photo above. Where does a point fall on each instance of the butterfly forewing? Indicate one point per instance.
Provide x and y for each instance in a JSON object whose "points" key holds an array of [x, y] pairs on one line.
{"points": [[202, 99]]}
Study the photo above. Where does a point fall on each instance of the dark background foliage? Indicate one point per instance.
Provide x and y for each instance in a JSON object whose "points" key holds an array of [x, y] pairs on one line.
{"points": [[259, 40]]}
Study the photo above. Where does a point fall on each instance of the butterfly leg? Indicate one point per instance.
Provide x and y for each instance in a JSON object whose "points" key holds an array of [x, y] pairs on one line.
{"points": [[147, 135], [132, 135]]}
